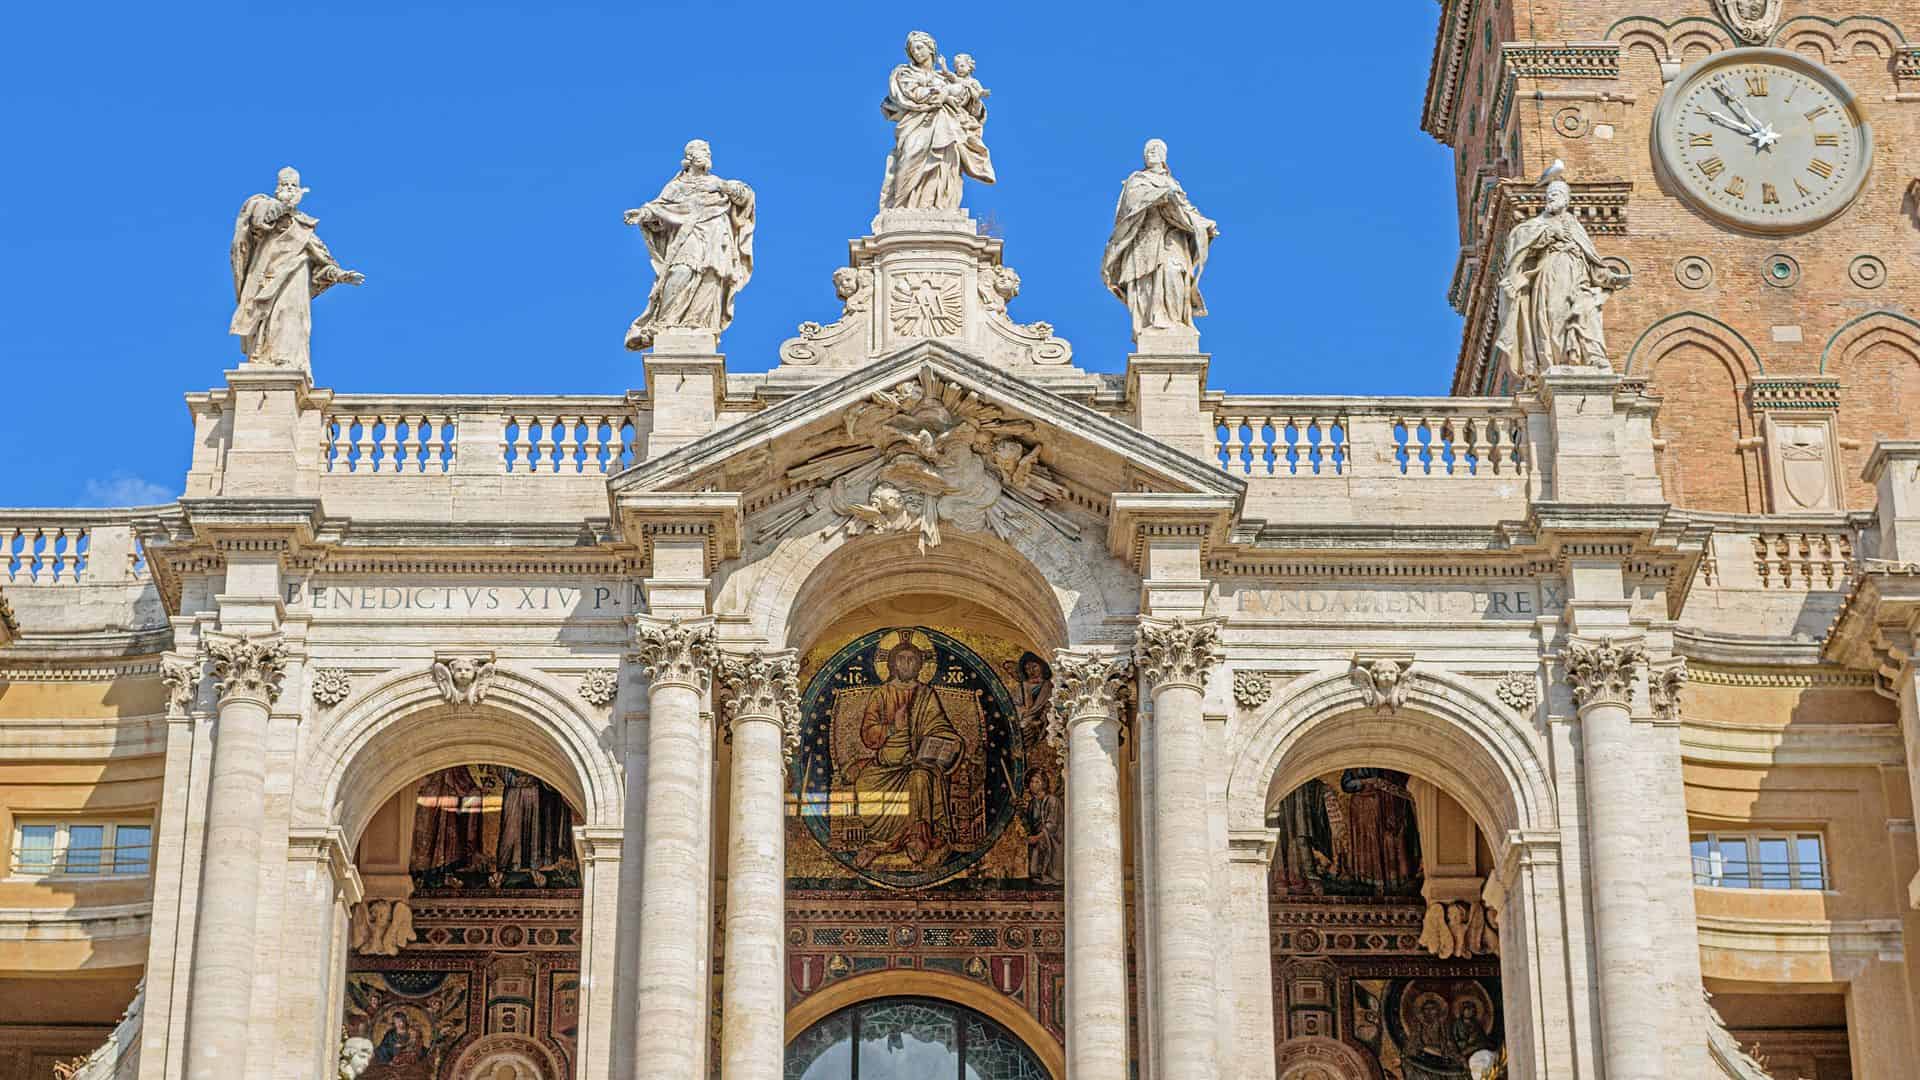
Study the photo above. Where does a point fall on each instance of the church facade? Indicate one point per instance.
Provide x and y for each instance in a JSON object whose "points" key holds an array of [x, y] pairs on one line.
{"points": [[936, 701]]}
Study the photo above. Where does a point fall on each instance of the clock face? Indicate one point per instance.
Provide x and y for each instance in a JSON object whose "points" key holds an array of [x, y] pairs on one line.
{"points": [[1763, 139]]}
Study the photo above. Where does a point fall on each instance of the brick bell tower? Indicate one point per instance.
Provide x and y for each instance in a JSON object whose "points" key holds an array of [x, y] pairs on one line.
{"points": [[1752, 164]]}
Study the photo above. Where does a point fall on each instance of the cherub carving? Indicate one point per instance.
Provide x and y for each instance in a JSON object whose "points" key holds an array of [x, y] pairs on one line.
{"points": [[355, 1055], [1382, 683], [463, 680]]}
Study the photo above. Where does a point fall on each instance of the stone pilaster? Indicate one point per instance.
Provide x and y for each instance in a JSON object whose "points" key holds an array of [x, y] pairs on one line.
{"points": [[1089, 693], [247, 672], [1174, 657], [1250, 855], [671, 1024], [600, 849], [1601, 675], [760, 704]]}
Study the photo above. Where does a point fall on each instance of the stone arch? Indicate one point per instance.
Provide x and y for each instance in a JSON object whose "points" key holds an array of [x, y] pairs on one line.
{"points": [[1877, 360], [1448, 732], [941, 986], [1835, 41], [403, 728], [1056, 591], [1683, 39], [1701, 368]]}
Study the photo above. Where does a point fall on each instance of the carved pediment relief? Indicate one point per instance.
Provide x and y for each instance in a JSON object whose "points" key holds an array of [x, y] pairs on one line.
{"points": [[925, 442]]}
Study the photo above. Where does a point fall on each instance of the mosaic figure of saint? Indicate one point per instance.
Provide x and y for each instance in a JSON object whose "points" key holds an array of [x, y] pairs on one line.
{"points": [[1045, 820], [903, 779]]}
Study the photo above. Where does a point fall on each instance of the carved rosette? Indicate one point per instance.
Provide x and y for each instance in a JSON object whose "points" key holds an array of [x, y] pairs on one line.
{"points": [[767, 685], [1251, 689], [1087, 685], [1519, 691], [331, 686], [246, 667], [600, 686], [1664, 687], [1177, 652], [182, 678], [1601, 673], [673, 652]]}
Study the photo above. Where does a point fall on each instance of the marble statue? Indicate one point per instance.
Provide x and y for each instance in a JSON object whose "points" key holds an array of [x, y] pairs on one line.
{"points": [[939, 121], [1158, 248], [1553, 285], [355, 1055], [279, 266], [699, 235]]}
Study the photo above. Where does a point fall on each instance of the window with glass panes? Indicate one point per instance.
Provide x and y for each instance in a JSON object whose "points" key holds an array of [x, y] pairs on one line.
{"points": [[82, 847], [1760, 860]]}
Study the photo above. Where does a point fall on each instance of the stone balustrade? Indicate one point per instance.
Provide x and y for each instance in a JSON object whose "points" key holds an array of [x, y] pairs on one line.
{"points": [[1294, 436], [363, 435], [70, 547]]}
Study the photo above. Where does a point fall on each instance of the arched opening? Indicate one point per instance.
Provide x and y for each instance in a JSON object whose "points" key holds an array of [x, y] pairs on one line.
{"points": [[925, 838], [911, 1038], [464, 954], [1382, 939]]}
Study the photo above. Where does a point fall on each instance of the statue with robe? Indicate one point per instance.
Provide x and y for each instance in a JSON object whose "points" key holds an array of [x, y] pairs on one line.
{"points": [[939, 118], [699, 236], [279, 266], [1158, 248], [1553, 285]]}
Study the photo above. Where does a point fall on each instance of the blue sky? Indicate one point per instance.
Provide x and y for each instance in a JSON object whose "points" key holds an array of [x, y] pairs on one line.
{"points": [[474, 160]]}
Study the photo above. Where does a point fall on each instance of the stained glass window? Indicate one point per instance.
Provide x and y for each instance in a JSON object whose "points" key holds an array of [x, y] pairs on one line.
{"points": [[910, 1039]]}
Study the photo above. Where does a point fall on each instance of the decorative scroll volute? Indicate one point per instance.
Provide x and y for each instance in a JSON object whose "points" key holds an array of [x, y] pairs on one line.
{"points": [[675, 652], [1664, 687], [247, 667], [1602, 673], [1090, 685], [763, 685], [1177, 652]]}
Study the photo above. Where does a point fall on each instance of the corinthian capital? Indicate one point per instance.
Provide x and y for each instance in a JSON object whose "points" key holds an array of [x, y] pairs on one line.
{"points": [[246, 666], [764, 685], [182, 677], [1087, 684], [1177, 652], [673, 651], [1601, 673]]}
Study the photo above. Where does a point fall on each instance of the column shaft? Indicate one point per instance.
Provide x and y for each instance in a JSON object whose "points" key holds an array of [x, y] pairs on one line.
{"points": [[223, 941], [1182, 884], [1095, 889], [671, 1025], [752, 1033]]}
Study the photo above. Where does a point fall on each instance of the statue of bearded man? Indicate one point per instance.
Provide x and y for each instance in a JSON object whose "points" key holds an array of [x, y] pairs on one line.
{"points": [[699, 235], [1158, 248], [279, 266]]}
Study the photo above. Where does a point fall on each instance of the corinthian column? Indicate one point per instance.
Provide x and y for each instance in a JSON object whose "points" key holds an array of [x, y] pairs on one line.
{"points": [[247, 673], [1088, 687], [1602, 675], [1174, 658], [671, 1028], [761, 706]]}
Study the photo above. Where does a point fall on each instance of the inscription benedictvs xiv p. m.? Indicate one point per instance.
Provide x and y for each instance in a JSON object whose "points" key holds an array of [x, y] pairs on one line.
{"points": [[1763, 140]]}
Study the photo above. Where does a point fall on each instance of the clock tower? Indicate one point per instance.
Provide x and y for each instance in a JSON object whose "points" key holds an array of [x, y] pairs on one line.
{"points": [[1749, 163]]}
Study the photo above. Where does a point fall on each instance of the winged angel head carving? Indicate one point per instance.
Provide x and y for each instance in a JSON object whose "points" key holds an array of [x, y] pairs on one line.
{"points": [[940, 454], [463, 680]]}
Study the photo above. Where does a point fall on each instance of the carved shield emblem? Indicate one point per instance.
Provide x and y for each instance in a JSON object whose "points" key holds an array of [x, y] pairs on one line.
{"points": [[1009, 973], [1753, 21], [1803, 467]]}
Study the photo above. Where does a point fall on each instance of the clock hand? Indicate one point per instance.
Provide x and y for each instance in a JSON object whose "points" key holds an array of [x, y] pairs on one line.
{"points": [[1725, 121]]}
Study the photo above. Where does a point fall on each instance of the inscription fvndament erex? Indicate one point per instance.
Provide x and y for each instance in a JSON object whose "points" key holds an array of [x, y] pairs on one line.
{"points": [[539, 600], [1347, 604]]}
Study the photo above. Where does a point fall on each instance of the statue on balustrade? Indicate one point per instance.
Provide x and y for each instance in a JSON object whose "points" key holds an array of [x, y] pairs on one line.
{"points": [[939, 121], [1158, 248], [279, 266], [1553, 285], [699, 236]]}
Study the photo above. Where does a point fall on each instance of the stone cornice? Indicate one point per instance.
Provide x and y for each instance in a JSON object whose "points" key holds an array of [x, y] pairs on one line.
{"points": [[101, 923], [328, 847], [1452, 43], [711, 517], [1768, 745], [1136, 518], [1880, 938]]}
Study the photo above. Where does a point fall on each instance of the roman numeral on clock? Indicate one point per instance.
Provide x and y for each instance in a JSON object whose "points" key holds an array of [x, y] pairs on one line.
{"points": [[1817, 113], [1756, 86], [1829, 138], [1801, 188], [1737, 187], [1768, 195], [1820, 168], [1712, 167], [1699, 139]]}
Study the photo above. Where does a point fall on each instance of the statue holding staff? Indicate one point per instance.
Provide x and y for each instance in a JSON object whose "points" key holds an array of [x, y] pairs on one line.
{"points": [[1553, 285]]}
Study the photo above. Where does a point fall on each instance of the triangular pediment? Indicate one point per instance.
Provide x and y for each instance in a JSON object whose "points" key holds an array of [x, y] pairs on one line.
{"points": [[791, 431], [925, 436]]}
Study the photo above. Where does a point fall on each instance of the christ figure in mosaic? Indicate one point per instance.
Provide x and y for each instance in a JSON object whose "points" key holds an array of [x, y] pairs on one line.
{"points": [[903, 781]]}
